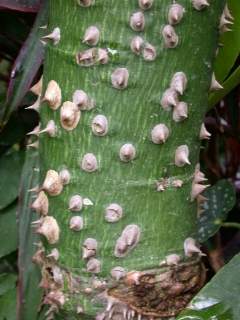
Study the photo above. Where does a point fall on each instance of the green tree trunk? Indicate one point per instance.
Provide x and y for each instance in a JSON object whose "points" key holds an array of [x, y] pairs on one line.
{"points": [[162, 219]]}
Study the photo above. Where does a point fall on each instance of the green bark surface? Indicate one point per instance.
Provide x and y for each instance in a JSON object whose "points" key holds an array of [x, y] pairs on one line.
{"points": [[165, 218]]}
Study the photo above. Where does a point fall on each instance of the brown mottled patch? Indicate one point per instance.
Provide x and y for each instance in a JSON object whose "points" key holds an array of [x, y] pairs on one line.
{"points": [[161, 292]]}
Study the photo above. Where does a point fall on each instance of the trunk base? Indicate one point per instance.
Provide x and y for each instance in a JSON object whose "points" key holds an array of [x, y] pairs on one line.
{"points": [[156, 293]]}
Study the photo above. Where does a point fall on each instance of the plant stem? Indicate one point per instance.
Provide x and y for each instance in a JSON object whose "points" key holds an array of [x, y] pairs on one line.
{"points": [[165, 218], [230, 225]]}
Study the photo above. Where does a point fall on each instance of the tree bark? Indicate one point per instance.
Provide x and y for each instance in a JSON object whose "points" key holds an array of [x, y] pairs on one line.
{"points": [[165, 218]]}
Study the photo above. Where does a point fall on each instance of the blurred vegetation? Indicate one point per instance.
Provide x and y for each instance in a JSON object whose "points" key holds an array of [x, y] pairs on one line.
{"points": [[21, 57]]}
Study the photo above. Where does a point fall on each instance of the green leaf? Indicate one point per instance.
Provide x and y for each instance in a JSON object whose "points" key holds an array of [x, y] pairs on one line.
{"points": [[228, 85], [8, 231], [216, 311], [7, 282], [230, 48], [29, 273], [26, 65], [219, 299], [8, 305], [221, 198], [227, 57], [10, 172]]}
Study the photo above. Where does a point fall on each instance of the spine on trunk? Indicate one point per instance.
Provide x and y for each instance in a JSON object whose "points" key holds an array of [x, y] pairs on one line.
{"points": [[125, 90]]}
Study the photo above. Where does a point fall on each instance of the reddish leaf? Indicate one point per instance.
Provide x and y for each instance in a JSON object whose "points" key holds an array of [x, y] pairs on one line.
{"points": [[22, 5]]}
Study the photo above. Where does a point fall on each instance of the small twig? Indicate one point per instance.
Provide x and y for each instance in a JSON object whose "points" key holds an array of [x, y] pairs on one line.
{"points": [[230, 225]]}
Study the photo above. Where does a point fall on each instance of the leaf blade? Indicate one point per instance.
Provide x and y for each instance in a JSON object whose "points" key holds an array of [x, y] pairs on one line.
{"points": [[224, 288], [26, 65], [228, 85], [10, 171], [221, 198], [7, 282], [230, 48], [29, 294], [8, 231], [8, 305]]}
